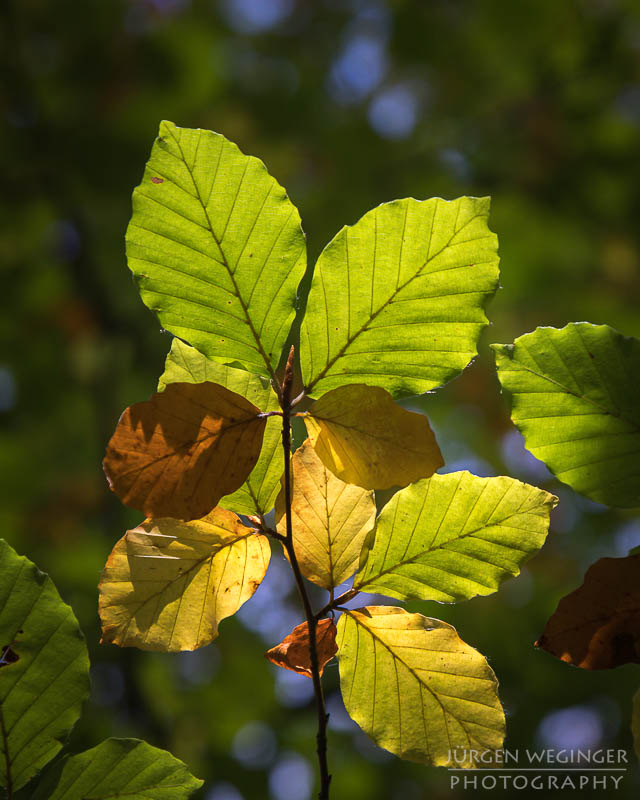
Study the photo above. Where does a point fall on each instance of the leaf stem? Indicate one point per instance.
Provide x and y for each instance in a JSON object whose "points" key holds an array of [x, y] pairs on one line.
{"points": [[321, 738], [338, 601]]}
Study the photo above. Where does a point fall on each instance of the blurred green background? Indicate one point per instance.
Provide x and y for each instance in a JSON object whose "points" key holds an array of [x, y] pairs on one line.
{"points": [[350, 103]]}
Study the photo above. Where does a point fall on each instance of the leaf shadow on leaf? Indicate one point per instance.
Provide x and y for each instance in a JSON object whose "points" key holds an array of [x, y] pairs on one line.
{"points": [[177, 454]]}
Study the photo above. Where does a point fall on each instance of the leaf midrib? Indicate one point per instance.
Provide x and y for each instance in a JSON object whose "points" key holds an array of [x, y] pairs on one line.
{"points": [[225, 262], [604, 411], [442, 546], [422, 683], [168, 583], [399, 288]]}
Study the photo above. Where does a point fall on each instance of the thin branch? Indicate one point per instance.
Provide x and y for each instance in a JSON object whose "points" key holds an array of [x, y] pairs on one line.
{"points": [[339, 601], [321, 738]]}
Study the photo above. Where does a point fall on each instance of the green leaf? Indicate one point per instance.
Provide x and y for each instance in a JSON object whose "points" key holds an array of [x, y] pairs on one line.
{"points": [[575, 395], [216, 248], [122, 768], [415, 687], [44, 669], [257, 494], [397, 299], [454, 536]]}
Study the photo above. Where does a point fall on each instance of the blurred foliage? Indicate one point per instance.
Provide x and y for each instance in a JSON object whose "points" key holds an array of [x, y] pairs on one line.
{"points": [[536, 103]]}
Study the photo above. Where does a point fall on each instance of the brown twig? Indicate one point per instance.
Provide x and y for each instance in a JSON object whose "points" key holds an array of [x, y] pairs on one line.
{"points": [[321, 739]]}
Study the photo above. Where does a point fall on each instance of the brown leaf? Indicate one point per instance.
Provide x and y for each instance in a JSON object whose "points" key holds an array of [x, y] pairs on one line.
{"points": [[177, 454], [598, 625], [293, 651]]}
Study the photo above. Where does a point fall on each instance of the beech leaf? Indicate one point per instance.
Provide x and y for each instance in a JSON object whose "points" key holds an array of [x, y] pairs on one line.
{"points": [[454, 536], [367, 439], [44, 669], [216, 248], [397, 300], [127, 769], [575, 397], [167, 584], [293, 651], [415, 687], [597, 626], [330, 520], [177, 454], [257, 494]]}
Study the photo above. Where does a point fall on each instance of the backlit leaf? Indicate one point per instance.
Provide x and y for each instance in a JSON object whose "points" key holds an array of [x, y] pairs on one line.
{"points": [[177, 454], [415, 687], [293, 651], [127, 769], [575, 396], [168, 584], [365, 438], [44, 669], [454, 536], [258, 493], [216, 248], [597, 626], [397, 299], [330, 520]]}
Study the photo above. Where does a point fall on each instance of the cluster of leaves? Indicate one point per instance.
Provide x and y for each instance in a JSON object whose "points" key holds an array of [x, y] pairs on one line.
{"points": [[395, 308], [575, 396], [44, 680]]}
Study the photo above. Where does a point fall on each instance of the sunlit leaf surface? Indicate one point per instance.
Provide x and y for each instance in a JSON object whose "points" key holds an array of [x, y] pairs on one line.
{"points": [[330, 520], [168, 584], [366, 438], [454, 536], [415, 687], [575, 396], [216, 248], [397, 300]]}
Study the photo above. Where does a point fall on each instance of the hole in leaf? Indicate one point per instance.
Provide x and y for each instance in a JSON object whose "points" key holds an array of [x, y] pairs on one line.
{"points": [[8, 656]]}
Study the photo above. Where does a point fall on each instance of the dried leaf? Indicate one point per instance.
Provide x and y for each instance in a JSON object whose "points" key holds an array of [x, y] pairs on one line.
{"points": [[178, 453], [168, 584], [598, 625], [367, 439], [330, 520], [293, 651], [257, 494]]}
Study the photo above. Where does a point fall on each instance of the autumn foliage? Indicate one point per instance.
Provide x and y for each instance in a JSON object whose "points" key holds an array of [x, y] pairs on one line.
{"points": [[395, 308]]}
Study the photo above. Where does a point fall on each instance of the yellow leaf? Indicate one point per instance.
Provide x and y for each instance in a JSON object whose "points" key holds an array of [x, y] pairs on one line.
{"points": [[179, 453], [330, 520], [416, 688], [168, 584], [367, 439]]}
